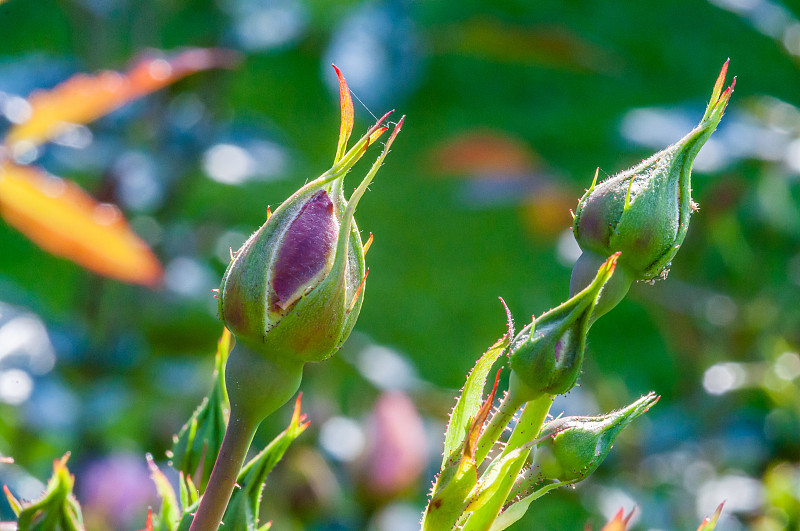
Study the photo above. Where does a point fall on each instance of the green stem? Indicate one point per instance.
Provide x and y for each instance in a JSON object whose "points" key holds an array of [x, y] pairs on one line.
{"points": [[238, 436], [527, 429], [257, 385], [530, 422], [497, 425]]}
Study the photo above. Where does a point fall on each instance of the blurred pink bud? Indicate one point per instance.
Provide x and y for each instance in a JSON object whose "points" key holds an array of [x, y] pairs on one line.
{"points": [[396, 453]]}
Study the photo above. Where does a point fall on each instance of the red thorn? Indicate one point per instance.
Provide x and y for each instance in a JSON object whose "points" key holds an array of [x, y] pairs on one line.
{"points": [[398, 127], [612, 261], [470, 444], [382, 118]]}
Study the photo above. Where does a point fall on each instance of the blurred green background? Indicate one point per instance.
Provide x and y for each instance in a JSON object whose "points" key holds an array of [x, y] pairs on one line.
{"points": [[511, 106]]}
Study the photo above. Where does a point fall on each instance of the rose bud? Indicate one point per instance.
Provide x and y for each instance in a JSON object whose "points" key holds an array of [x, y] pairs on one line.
{"points": [[293, 291], [290, 295], [295, 287], [546, 356], [643, 212], [579, 444]]}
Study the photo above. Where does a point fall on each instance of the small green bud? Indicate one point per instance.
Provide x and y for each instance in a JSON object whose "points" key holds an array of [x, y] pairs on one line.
{"points": [[56, 509], [546, 356], [644, 211], [294, 289], [579, 444]]}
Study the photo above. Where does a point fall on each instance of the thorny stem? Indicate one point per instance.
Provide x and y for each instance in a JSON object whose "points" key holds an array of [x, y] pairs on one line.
{"points": [[527, 429], [496, 426], [530, 423]]}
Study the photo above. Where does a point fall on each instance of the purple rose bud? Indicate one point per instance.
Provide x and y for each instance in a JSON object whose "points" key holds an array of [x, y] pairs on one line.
{"points": [[293, 291]]}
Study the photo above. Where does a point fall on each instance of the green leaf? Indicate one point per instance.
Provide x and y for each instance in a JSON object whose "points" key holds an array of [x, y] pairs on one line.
{"points": [[195, 447], [494, 487], [518, 509], [469, 402], [169, 516]]}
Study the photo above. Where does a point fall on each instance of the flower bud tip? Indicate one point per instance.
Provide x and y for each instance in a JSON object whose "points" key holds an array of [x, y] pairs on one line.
{"points": [[720, 79], [348, 115], [381, 120]]}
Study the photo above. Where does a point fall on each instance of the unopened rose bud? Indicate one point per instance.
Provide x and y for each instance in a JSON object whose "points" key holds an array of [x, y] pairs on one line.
{"points": [[57, 507], [644, 212], [295, 287], [546, 356], [579, 444], [293, 292]]}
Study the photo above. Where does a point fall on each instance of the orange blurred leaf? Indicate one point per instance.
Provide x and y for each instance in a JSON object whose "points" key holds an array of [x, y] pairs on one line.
{"points": [[84, 98], [546, 210], [64, 220], [483, 153]]}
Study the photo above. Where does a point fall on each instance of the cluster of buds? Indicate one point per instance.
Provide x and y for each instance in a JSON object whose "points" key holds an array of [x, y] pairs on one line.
{"points": [[629, 228]]}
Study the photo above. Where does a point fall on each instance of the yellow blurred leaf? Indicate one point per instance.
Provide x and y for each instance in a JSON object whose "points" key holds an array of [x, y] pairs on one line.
{"points": [[546, 210], [64, 220], [84, 98]]}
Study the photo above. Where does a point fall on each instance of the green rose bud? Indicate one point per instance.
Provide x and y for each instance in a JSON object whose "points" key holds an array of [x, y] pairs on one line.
{"points": [[644, 212], [577, 445], [546, 356], [57, 508]]}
